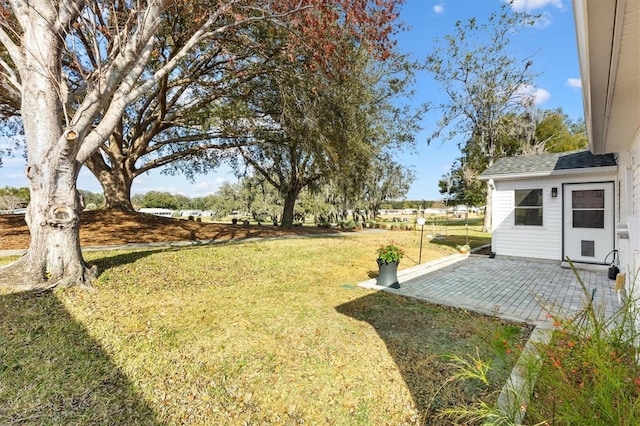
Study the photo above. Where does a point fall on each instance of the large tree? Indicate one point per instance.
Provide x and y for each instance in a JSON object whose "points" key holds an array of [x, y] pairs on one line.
{"points": [[386, 180], [483, 81], [175, 122], [318, 125], [533, 132], [558, 132], [72, 95]]}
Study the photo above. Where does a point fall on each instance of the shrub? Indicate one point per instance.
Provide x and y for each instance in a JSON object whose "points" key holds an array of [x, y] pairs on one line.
{"points": [[348, 225]]}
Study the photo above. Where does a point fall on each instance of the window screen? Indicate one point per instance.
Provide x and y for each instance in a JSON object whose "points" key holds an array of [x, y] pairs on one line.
{"points": [[588, 208], [528, 207]]}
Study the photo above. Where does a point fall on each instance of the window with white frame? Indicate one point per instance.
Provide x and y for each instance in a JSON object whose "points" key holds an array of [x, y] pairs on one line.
{"points": [[528, 207]]}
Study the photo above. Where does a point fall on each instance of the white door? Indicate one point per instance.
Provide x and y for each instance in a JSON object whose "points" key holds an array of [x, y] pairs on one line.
{"points": [[588, 222]]}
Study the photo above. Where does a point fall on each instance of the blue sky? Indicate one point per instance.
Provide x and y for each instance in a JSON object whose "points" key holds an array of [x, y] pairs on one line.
{"points": [[552, 44], [555, 60]]}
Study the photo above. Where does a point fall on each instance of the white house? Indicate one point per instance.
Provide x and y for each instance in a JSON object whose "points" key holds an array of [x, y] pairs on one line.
{"points": [[551, 206], [528, 219]]}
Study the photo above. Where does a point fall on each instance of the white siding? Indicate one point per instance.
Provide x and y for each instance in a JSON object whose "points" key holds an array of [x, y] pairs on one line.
{"points": [[627, 176], [629, 168], [540, 242]]}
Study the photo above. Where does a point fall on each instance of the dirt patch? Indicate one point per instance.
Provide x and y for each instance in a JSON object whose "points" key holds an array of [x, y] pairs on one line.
{"points": [[102, 227]]}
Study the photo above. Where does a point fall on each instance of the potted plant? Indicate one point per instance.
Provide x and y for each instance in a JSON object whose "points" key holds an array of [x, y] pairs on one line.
{"points": [[464, 248], [389, 256]]}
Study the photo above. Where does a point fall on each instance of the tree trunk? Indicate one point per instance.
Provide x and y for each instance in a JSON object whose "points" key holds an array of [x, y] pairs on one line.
{"points": [[54, 257], [115, 181], [289, 207]]}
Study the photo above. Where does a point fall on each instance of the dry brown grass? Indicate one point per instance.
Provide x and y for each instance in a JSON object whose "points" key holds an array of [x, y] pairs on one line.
{"points": [[269, 332]]}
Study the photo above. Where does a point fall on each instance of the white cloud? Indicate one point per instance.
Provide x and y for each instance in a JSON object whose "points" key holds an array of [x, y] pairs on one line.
{"points": [[541, 96], [529, 5], [439, 8], [535, 94], [576, 83], [208, 186]]}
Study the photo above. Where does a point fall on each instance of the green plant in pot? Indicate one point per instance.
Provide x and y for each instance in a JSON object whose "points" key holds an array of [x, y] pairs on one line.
{"points": [[389, 256]]}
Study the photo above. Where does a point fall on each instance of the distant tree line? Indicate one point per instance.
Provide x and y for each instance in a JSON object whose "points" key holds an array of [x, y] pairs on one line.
{"points": [[13, 198], [255, 196]]}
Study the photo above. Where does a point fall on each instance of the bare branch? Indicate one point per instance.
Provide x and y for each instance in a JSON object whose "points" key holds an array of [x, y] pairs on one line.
{"points": [[168, 159]]}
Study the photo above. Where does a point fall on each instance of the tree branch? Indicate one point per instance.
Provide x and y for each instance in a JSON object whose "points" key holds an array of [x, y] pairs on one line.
{"points": [[168, 159]]}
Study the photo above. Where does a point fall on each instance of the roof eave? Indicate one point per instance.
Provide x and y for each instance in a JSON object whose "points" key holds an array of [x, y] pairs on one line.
{"points": [[608, 42], [552, 173]]}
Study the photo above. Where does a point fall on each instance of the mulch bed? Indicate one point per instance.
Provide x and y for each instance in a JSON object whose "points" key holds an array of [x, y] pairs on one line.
{"points": [[102, 227]]}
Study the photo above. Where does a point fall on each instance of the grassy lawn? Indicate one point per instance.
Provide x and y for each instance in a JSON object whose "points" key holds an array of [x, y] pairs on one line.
{"points": [[271, 332]]}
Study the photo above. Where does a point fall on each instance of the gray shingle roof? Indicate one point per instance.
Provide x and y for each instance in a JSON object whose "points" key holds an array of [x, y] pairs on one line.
{"points": [[544, 164]]}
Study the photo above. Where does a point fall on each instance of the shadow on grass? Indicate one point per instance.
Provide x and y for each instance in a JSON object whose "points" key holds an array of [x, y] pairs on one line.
{"points": [[53, 372], [106, 262], [419, 336], [455, 240]]}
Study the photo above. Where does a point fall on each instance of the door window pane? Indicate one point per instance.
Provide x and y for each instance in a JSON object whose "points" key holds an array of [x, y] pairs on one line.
{"points": [[588, 219], [588, 208], [590, 199]]}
